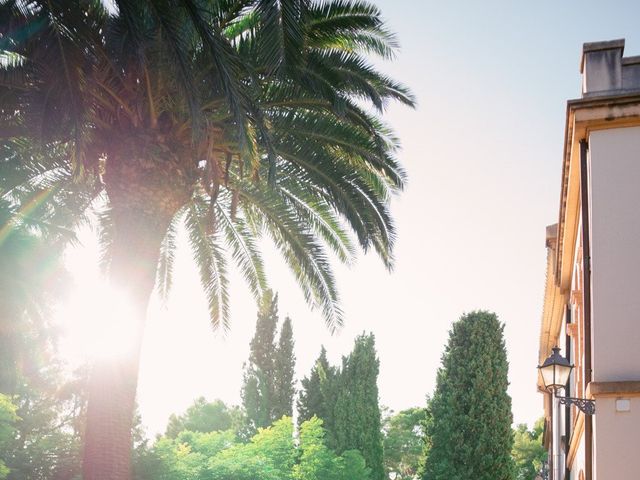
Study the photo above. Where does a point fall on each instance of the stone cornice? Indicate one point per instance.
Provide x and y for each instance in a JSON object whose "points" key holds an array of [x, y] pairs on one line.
{"points": [[613, 389]]}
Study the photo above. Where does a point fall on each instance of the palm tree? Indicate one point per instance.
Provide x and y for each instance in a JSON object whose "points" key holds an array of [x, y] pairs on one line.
{"points": [[238, 119]]}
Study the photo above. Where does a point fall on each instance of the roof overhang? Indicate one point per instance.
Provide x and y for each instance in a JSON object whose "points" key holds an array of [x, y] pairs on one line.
{"points": [[584, 116]]}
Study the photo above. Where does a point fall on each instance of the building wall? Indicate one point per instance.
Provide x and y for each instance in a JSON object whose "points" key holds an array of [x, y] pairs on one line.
{"points": [[617, 439], [578, 465], [615, 275], [615, 253]]}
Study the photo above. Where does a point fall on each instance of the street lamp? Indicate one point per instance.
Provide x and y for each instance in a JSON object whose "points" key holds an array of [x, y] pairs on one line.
{"points": [[555, 373]]}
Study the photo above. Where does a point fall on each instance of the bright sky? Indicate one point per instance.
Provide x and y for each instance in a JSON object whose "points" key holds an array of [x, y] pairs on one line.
{"points": [[483, 153]]}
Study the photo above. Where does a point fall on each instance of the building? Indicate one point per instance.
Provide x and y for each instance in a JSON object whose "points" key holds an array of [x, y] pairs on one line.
{"points": [[592, 294]]}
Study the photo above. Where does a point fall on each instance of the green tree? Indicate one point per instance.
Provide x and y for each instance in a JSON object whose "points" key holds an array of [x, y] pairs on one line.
{"points": [[357, 412], [318, 394], [8, 419], [270, 455], [268, 385], [30, 274], [468, 431], [46, 441], [403, 442], [203, 417], [318, 462], [528, 451], [236, 119], [284, 370], [258, 390]]}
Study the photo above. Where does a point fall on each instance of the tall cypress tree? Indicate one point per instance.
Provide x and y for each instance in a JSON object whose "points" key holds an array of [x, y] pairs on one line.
{"points": [[318, 395], [284, 366], [468, 430], [258, 388], [357, 412], [268, 386]]}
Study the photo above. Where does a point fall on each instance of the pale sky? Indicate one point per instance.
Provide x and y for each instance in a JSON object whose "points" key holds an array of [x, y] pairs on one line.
{"points": [[483, 152]]}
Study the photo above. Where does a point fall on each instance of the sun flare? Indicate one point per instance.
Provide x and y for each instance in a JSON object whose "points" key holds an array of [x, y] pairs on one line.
{"points": [[97, 322]]}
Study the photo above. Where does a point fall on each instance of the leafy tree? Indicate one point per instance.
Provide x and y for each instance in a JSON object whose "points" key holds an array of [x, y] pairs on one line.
{"points": [[46, 441], [235, 119], [8, 419], [284, 370], [528, 451], [468, 431], [352, 466], [185, 457], [30, 274], [403, 442], [357, 412], [318, 395], [270, 456], [203, 417], [318, 462]]}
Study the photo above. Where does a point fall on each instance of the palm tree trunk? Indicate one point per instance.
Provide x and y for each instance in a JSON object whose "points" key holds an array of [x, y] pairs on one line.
{"points": [[144, 195], [113, 381]]}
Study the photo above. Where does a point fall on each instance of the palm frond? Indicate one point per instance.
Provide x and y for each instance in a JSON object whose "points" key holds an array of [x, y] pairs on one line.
{"points": [[243, 246], [281, 33], [299, 247], [164, 274], [210, 258]]}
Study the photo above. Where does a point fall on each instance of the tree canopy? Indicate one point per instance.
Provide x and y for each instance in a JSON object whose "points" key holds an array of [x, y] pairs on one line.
{"points": [[468, 426], [202, 416], [403, 442], [235, 120], [268, 384], [528, 450]]}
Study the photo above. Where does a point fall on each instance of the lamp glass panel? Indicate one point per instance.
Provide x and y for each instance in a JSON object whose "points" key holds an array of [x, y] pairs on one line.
{"points": [[562, 374], [548, 375]]}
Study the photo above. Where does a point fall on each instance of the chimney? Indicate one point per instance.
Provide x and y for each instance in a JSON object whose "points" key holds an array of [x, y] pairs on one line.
{"points": [[601, 67]]}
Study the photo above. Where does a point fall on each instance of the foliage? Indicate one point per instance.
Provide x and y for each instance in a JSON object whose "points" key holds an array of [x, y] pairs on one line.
{"points": [[468, 429], [8, 419], [236, 119], [346, 400], [403, 442], [284, 370], [267, 391], [357, 413], [271, 454], [318, 462], [30, 275], [48, 438], [186, 456], [258, 388], [317, 396], [203, 417], [46, 441], [528, 451]]}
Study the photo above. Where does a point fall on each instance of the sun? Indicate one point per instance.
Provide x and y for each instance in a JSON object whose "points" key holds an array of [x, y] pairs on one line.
{"points": [[97, 322]]}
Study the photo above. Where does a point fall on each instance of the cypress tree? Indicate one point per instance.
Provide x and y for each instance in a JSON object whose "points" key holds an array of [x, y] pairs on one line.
{"points": [[258, 387], [284, 366], [468, 429], [317, 397], [357, 412]]}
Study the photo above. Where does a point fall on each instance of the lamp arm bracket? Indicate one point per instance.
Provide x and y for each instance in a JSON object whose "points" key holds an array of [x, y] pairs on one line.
{"points": [[586, 406]]}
